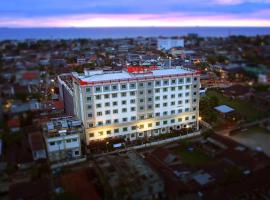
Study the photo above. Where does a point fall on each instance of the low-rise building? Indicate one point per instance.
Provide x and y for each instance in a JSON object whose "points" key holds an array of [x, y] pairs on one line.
{"points": [[63, 138], [37, 146]]}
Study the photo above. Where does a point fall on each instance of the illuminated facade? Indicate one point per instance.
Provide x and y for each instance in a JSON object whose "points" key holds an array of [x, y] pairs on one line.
{"points": [[136, 103]]}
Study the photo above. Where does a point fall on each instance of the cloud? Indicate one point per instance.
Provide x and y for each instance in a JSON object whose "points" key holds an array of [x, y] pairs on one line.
{"points": [[133, 20], [144, 12]]}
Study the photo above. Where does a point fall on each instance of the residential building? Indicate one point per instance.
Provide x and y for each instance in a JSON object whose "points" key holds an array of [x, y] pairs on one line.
{"points": [[168, 43], [134, 104], [63, 138], [37, 145]]}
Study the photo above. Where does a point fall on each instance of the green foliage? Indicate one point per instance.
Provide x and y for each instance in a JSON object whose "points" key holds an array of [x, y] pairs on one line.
{"points": [[261, 88], [207, 112]]}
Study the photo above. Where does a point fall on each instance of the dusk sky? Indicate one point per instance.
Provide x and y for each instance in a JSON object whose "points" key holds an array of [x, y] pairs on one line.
{"points": [[114, 13]]}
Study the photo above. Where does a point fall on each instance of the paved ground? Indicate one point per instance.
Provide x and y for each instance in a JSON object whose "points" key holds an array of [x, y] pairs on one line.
{"points": [[253, 138]]}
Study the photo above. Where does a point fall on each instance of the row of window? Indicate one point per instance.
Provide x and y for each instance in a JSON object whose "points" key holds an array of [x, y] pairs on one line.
{"points": [[123, 94], [125, 86], [63, 141], [142, 126], [149, 100], [141, 117]]}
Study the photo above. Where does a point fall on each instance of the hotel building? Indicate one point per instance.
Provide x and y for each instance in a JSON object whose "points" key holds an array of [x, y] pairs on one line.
{"points": [[137, 102]]}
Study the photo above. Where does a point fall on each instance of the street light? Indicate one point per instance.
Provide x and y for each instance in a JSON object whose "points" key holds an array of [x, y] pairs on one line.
{"points": [[107, 146], [187, 126]]}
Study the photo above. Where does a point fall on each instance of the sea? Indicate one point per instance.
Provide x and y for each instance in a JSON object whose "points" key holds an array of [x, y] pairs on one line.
{"points": [[126, 32]]}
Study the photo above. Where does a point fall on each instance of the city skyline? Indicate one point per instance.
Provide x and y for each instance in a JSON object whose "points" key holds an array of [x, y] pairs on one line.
{"points": [[130, 13]]}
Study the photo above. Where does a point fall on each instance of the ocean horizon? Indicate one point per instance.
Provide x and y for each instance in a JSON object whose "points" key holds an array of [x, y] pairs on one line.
{"points": [[126, 32]]}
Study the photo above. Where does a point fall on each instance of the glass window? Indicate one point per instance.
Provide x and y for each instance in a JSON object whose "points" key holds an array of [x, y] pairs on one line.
{"points": [[180, 80], [165, 82], [115, 87], [97, 89], [100, 133], [106, 88], [132, 101], [99, 113], [88, 89], [123, 86], [132, 85], [91, 134], [100, 123], [98, 105], [132, 93]]}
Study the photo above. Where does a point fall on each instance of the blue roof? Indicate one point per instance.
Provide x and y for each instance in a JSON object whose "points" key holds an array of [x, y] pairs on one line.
{"points": [[224, 109]]}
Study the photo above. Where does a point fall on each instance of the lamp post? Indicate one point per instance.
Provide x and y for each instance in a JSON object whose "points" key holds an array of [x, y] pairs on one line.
{"points": [[198, 122], [107, 146]]}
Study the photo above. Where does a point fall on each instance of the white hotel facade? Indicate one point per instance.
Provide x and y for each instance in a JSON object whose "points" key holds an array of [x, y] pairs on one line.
{"points": [[137, 104]]}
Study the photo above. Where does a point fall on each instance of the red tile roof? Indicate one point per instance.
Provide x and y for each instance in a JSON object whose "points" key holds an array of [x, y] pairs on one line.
{"points": [[30, 75], [36, 141]]}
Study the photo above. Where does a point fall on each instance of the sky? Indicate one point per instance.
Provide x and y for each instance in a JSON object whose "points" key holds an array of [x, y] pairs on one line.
{"points": [[133, 13]]}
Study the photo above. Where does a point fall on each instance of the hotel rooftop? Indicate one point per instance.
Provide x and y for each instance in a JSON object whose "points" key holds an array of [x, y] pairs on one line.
{"points": [[131, 73]]}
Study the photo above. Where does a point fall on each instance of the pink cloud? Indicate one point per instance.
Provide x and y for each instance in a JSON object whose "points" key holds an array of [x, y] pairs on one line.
{"points": [[129, 20]]}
